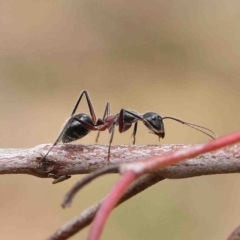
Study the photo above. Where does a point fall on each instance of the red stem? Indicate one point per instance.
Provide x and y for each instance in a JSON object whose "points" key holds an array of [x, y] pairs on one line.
{"points": [[110, 202], [156, 163], [133, 170], [235, 235]]}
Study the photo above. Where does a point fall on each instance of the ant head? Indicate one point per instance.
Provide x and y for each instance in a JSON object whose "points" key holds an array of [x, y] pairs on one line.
{"points": [[154, 122]]}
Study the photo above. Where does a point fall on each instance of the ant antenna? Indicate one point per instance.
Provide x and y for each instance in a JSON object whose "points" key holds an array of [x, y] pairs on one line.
{"points": [[199, 128]]}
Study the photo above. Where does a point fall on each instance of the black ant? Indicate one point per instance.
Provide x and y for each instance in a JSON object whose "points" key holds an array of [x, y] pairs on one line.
{"points": [[78, 126]]}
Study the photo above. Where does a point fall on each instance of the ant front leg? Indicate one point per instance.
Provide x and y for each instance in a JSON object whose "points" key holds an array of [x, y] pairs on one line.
{"points": [[134, 132], [126, 119], [111, 129]]}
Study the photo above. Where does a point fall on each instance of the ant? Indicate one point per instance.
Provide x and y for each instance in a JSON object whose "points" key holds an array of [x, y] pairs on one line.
{"points": [[78, 126], [152, 120]]}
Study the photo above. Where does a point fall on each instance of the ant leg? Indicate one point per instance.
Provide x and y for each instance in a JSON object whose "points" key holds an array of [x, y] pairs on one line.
{"points": [[57, 141], [134, 132], [121, 120], [125, 121], [123, 125], [110, 142], [106, 114], [107, 111], [136, 115], [89, 125], [90, 106]]}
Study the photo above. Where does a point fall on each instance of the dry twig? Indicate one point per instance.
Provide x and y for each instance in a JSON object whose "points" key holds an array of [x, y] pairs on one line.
{"points": [[68, 159]]}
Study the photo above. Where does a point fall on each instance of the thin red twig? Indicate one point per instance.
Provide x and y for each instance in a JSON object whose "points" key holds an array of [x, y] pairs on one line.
{"points": [[235, 235], [133, 170], [86, 217], [156, 163], [110, 203]]}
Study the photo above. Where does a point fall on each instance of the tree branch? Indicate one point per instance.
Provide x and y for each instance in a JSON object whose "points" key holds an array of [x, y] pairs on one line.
{"points": [[67, 159]]}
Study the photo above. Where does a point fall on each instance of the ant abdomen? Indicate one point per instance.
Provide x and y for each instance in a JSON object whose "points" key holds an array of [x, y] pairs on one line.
{"points": [[75, 130]]}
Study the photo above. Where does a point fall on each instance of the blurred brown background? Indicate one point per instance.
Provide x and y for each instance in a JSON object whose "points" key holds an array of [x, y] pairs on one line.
{"points": [[177, 58]]}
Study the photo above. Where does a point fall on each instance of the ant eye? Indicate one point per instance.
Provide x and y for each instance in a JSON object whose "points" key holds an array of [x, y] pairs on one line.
{"points": [[153, 118]]}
